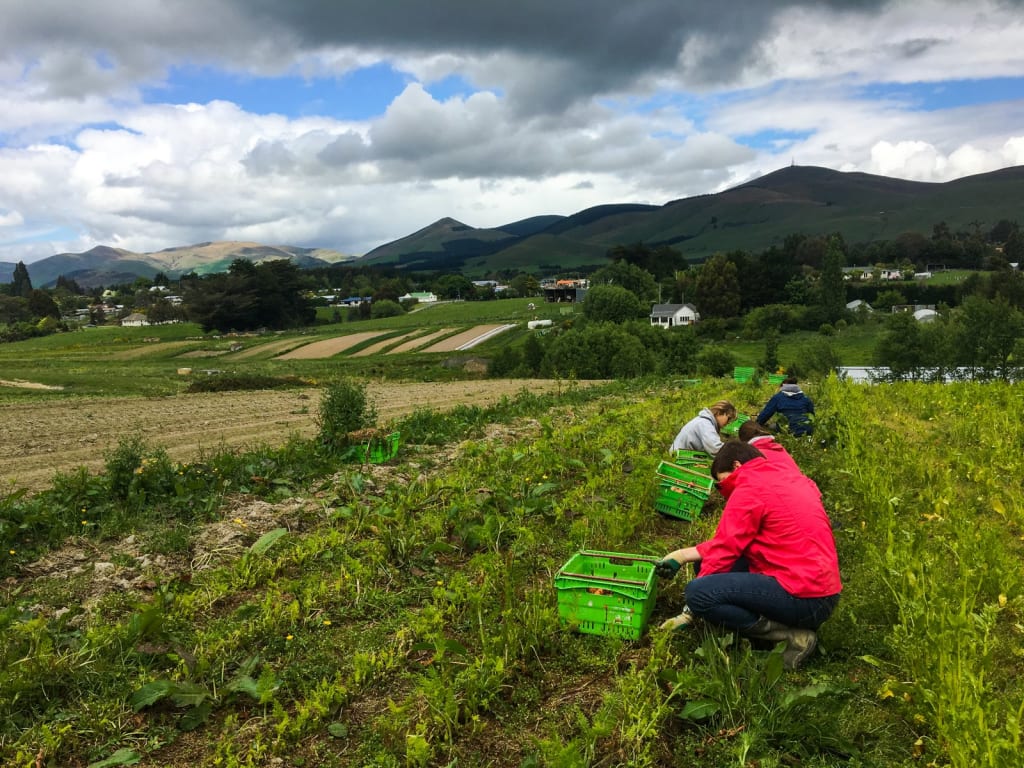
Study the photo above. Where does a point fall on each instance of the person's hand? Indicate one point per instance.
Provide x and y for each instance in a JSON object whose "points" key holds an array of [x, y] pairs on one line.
{"points": [[682, 621], [666, 568]]}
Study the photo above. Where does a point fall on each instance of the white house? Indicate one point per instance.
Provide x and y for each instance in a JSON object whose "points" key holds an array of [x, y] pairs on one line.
{"points": [[423, 297], [671, 315], [135, 319]]}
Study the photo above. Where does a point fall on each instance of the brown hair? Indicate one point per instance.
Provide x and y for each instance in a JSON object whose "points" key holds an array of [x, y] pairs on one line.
{"points": [[733, 450], [750, 429], [723, 407]]}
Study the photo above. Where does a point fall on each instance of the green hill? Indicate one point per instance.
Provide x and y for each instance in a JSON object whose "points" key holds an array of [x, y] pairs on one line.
{"points": [[752, 217]]}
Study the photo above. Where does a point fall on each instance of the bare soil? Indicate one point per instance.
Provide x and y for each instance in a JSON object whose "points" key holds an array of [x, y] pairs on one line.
{"points": [[328, 347], [419, 341], [43, 438], [452, 343]]}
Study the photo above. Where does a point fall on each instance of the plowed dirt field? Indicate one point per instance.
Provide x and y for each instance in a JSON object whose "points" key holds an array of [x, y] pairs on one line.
{"points": [[40, 439]]}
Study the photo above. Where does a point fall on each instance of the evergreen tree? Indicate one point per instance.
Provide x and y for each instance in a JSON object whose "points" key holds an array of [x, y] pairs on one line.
{"points": [[718, 288], [832, 288], [21, 284]]}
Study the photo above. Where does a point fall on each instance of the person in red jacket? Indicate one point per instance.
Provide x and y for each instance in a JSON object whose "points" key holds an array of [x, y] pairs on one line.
{"points": [[770, 571], [753, 433]]}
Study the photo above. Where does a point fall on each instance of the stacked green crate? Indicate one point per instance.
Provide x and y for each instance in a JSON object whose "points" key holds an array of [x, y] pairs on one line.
{"points": [[682, 490]]}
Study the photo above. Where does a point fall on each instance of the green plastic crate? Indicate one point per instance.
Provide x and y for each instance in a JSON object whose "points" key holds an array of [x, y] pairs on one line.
{"points": [[776, 378], [733, 426], [693, 459], [377, 450], [684, 476], [742, 374], [606, 593], [679, 502]]}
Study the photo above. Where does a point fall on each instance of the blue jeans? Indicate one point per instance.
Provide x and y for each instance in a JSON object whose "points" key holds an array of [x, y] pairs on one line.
{"points": [[738, 599]]}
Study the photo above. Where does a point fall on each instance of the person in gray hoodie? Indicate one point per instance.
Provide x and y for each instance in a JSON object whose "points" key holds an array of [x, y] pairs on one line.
{"points": [[792, 405], [703, 431]]}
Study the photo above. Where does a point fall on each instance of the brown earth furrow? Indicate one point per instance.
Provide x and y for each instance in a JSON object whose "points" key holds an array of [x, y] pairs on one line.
{"points": [[454, 342], [380, 345], [418, 342], [328, 347], [40, 439]]}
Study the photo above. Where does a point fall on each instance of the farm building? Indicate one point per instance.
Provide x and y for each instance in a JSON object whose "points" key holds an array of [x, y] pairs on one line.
{"points": [[135, 320], [565, 290], [859, 305], [423, 297], [672, 315]]}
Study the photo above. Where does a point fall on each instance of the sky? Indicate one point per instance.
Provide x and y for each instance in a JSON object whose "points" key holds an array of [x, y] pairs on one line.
{"points": [[346, 124]]}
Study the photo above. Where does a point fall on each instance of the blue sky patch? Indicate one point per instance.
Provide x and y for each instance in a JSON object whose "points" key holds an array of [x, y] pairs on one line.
{"points": [[929, 97], [771, 139], [357, 95], [449, 87]]}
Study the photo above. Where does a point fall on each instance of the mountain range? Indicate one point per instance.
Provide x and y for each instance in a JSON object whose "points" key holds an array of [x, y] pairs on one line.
{"points": [[104, 265], [752, 216]]}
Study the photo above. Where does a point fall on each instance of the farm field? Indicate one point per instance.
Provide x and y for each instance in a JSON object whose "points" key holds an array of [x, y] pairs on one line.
{"points": [[404, 614], [41, 439]]}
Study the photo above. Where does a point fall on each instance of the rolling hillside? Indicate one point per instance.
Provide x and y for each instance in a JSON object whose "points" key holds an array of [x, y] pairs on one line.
{"points": [[752, 217]]}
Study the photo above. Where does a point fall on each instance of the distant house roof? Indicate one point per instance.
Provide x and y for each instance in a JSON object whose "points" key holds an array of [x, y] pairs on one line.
{"points": [[135, 318], [670, 310]]}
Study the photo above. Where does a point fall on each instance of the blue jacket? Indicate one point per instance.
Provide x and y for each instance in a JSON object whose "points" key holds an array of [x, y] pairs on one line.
{"points": [[792, 405]]}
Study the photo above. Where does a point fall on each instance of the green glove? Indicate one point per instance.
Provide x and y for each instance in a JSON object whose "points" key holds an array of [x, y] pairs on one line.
{"points": [[666, 568]]}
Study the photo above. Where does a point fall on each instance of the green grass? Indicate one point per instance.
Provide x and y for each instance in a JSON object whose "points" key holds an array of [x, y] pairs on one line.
{"points": [[114, 361], [406, 615]]}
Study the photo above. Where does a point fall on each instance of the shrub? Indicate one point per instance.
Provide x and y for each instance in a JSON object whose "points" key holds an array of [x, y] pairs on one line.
{"points": [[715, 361], [343, 409]]}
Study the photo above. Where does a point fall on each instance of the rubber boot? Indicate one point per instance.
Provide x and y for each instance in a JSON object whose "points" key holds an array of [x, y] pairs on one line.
{"points": [[800, 643]]}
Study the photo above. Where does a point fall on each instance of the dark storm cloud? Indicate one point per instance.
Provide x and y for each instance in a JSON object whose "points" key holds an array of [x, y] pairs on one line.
{"points": [[555, 52], [585, 46]]}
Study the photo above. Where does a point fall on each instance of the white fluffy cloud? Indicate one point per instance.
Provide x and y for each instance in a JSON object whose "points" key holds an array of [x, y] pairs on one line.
{"points": [[566, 105]]}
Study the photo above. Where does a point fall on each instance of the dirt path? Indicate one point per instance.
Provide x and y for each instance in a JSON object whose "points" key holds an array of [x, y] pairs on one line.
{"points": [[40, 439]]}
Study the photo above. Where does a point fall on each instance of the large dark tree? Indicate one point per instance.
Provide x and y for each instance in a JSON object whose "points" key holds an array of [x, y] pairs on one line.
{"points": [[612, 303], [661, 261], [718, 288], [41, 304], [249, 296], [634, 279], [21, 284], [832, 289]]}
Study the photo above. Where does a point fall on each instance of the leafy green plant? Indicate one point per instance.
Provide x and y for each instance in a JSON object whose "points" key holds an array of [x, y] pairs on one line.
{"points": [[343, 409]]}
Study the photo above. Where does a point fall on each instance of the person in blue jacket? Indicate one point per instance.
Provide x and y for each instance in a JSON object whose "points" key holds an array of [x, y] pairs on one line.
{"points": [[792, 406]]}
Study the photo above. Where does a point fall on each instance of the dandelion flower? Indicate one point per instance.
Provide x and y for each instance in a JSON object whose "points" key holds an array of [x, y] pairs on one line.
{"points": [[289, 637], [327, 622]]}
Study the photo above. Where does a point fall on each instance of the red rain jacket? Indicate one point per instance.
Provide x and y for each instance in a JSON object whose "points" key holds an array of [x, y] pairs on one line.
{"points": [[779, 526]]}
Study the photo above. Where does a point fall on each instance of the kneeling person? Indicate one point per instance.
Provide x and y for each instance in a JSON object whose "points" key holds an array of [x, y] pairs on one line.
{"points": [[770, 571]]}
